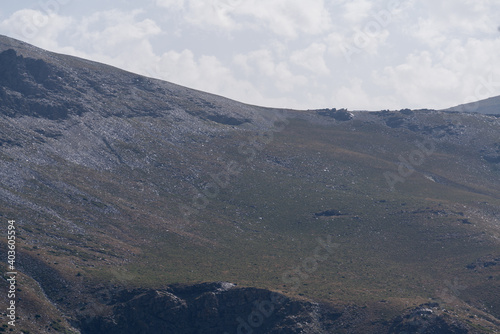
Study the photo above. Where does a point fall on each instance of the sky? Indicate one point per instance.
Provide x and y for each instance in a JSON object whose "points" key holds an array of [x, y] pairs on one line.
{"points": [[354, 54]]}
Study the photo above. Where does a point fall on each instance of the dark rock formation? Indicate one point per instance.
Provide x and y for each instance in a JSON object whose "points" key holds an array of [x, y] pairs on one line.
{"points": [[32, 87], [210, 308], [222, 308], [328, 213], [339, 115]]}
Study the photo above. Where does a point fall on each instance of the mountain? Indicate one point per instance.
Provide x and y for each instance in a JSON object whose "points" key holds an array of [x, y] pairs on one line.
{"points": [[141, 206], [489, 106]]}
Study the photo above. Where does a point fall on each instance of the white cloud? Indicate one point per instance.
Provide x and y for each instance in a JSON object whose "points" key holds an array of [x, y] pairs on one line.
{"points": [[171, 4], [287, 18], [335, 41], [423, 54], [113, 37], [262, 63], [428, 32], [357, 44], [364, 32], [420, 78], [312, 58], [113, 32], [261, 60], [217, 13], [290, 17], [356, 11], [463, 19], [476, 61], [435, 79], [33, 26], [352, 95]]}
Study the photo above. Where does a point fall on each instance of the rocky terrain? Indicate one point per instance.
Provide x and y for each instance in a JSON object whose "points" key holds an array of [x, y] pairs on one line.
{"points": [[222, 308], [129, 194]]}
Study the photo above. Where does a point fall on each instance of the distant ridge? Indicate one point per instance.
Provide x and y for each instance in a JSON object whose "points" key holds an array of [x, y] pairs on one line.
{"points": [[490, 106]]}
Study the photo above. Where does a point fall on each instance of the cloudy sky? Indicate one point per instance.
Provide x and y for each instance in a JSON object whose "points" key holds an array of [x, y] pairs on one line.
{"points": [[357, 54]]}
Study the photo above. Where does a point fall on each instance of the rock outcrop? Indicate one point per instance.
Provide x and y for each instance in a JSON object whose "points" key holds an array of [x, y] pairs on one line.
{"points": [[210, 308]]}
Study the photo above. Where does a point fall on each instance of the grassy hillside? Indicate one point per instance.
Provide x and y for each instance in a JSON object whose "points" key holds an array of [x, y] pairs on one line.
{"points": [[145, 184]]}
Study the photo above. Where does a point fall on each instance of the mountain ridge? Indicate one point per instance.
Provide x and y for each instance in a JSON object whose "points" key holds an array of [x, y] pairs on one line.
{"points": [[489, 106], [97, 165]]}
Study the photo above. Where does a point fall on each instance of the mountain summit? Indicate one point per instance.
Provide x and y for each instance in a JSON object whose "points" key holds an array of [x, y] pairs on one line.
{"points": [[141, 206]]}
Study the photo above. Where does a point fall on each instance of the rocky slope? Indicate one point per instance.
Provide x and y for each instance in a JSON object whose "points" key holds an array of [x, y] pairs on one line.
{"points": [[222, 308], [129, 192]]}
